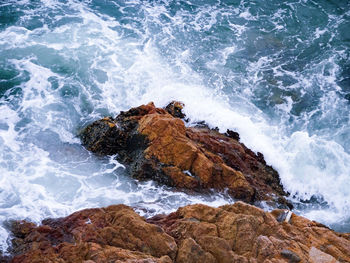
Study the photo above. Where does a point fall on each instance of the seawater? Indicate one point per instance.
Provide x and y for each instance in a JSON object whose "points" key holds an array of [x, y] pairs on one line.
{"points": [[277, 72]]}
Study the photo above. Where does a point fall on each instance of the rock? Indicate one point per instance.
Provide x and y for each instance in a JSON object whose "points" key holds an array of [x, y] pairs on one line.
{"points": [[174, 108], [284, 216], [293, 258], [232, 134], [244, 233], [194, 233], [317, 256], [111, 234], [154, 143], [190, 252]]}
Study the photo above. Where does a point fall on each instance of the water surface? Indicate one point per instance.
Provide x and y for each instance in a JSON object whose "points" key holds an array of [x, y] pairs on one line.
{"points": [[278, 72]]}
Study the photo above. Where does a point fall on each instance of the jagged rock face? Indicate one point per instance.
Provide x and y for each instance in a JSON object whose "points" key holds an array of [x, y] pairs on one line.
{"points": [[154, 144], [112, 234], [244, 233], [195, 233]]}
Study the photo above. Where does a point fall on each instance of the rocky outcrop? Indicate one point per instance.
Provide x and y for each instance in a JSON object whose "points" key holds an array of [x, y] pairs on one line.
{"points": [[244, 233], [195, 233], [154, 143], [112, 234]]}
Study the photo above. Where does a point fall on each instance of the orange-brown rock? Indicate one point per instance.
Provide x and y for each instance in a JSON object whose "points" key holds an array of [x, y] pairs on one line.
{"points": [[112, 234], [193, 234], [154, 144], [245, 233]]}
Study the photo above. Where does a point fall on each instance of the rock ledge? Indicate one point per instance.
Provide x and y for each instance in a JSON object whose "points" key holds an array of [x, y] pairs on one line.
{"points": [[194, 233]]}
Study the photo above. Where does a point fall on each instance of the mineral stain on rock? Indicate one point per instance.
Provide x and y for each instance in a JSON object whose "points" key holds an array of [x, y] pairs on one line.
{"points": [[154, 143]]}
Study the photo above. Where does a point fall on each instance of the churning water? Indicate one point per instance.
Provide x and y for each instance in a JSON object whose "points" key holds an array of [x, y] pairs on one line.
{"points": [[278, 72]]}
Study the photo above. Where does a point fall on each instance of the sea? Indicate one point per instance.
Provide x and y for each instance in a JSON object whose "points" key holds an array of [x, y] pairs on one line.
{"points": [[277, 72]]}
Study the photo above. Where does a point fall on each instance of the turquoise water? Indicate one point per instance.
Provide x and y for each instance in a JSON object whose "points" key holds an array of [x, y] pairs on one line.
{"points": [[278, 72]]}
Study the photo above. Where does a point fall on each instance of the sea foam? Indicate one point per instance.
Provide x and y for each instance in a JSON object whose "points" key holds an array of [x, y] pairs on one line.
{"points": [[74, 62]]}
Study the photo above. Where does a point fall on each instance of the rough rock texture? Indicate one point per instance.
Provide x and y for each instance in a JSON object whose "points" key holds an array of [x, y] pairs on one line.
{"points": [[245, 233], [155, 144], [193, 234], [112, 234]]}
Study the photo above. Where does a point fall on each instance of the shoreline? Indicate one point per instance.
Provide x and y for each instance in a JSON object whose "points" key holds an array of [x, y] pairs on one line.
{"points": [[194, 233], [154, 143]]}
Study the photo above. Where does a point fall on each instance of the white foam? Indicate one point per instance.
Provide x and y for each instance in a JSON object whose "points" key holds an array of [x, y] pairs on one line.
{"points": [[247, 15], [50, 174], [45, 172], [8, 136], [238, 29], [319, 32]]}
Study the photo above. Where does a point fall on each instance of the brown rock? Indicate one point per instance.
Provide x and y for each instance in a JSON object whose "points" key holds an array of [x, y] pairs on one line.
{"points": [[101, 235], [155, 144], [195, 233], [174, 108], [191, 252], [317, 256], [244, 233]]}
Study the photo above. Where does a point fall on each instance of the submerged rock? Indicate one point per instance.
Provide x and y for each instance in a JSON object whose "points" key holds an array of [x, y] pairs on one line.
{"points": [[194, 233], [154, 143]]}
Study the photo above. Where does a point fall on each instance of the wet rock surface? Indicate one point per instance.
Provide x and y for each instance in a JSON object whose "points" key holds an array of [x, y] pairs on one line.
{"points": [[195, 233], [154, 143]]}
